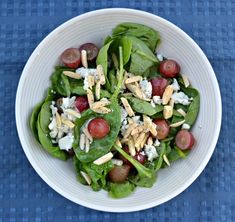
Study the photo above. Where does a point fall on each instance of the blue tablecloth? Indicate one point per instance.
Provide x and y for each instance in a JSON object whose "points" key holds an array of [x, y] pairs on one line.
{"points": [[23, 194]]}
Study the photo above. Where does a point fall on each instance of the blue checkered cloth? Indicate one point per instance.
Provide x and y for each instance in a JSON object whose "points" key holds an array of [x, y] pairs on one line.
{"points": [[25, 197]]}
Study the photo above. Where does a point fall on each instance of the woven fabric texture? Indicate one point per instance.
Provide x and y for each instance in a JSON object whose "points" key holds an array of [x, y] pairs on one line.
{"points": [[25, 197]]}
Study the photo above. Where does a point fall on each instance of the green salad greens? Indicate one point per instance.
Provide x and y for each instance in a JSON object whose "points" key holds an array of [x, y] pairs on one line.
{"points": [[122, 112]]}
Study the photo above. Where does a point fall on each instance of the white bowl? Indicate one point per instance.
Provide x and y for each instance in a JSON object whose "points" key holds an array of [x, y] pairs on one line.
{"points": [[93, 27]]}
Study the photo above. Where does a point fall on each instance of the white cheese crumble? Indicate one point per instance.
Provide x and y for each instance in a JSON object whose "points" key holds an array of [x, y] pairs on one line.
{"points": [[159, 57], [175, 85], [180, 97], [146, 88], [186, 126], [157, 100], [124, 114], [150, 152], [156, 143], [117, 162], [66, 142], [85, 72]]}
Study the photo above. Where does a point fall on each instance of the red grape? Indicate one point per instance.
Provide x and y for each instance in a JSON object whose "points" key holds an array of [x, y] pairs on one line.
{"points": [[169, 68], [91, 49], [163, 128], [184, 139], [159, 85], [81, 103], [98, 128], [71, 57]]}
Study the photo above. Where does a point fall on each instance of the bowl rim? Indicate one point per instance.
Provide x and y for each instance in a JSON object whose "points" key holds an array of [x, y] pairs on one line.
{"points": [[110, 208]]}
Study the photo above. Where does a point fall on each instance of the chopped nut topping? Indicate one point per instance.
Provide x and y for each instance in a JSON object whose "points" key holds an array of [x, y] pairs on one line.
{"points": [[105, 158], [127, 107], [174, 125], [167, 112], [167, 94], [72, 74]]}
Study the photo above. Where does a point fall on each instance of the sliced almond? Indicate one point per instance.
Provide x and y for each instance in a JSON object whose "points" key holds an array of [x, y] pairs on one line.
{"points": [[67, 123], [84, 58], [144, 140], [150, 141], [87, 145], [131, 147], [127, 107], [139, 140], [166, 160], [149, 125], [130, 121], [174, 125], [171, 103], [73, 75], [97, 90], [86, 177], [105, 158], [100, 103], [124, 140], [167, 112], [100, 72], [118, 143], [91, 81], [135, 137], [167, 94], [133, 79], [137, 130], [88, 135], [90, 97], [115, 60], [185, 80], [135, 89], [73, 113], [181, 111], [124, 79], [101, 110], [129, 129], [58, 119], [82, 141]]}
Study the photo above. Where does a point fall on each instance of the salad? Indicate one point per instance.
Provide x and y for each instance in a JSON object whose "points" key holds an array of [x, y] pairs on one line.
{"points": [[121, 112]]}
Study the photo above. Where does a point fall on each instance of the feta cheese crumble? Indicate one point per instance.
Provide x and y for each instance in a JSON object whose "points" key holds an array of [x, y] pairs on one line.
{"points": [[157, 100], [159, 57], [150, 152], [66, 142], [146, 88], [175, 85], [186, 126], [180, 97]]}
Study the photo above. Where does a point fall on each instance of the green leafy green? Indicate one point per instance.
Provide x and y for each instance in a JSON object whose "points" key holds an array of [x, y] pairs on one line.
{"points": [[142, 58], [102, 59], [112, 80], [142, 170], [46, 143], [60, 82], [158, 162], [121, 190], [193, 110], [97, 173], [78, 167], [148, 35], [143, 181], [176, 154], [141, 106], [98, 147], [34, 118]]}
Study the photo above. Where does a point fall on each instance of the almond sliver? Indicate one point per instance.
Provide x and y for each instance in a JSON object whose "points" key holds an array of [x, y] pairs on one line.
{"points": [[100, 103], [133, 79], [185, 80], [88, 135], [86, 177], [137, 130], [181, 111], [87, 145], [91, 81], [129, 130], [144, 140], [118, 143], [68, 123], [58, 119], [73, 113], [127, 107], [174, 125], [131, 147], [101, 110], [84, 58], [73, 75], [166, 160], [82, 141], [90, 97], [97, 90], [167, 94], [139, 140], [105, 158], [167, 112], [100, 72]]}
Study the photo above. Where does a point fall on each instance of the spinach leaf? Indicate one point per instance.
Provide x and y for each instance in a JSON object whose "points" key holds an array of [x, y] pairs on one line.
{"points": [[142, 58], [176, 154], [148, 35], [143, 181], [112, 80], [60, 82], [34, 118], [76, 87], [97, 173], [45, 115], [158, 162], [78, 167], [104, 94], [102, 59], [141, 106], [121, 190], [46, 143], [142, 170], [98, 147], [193, 110]]}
